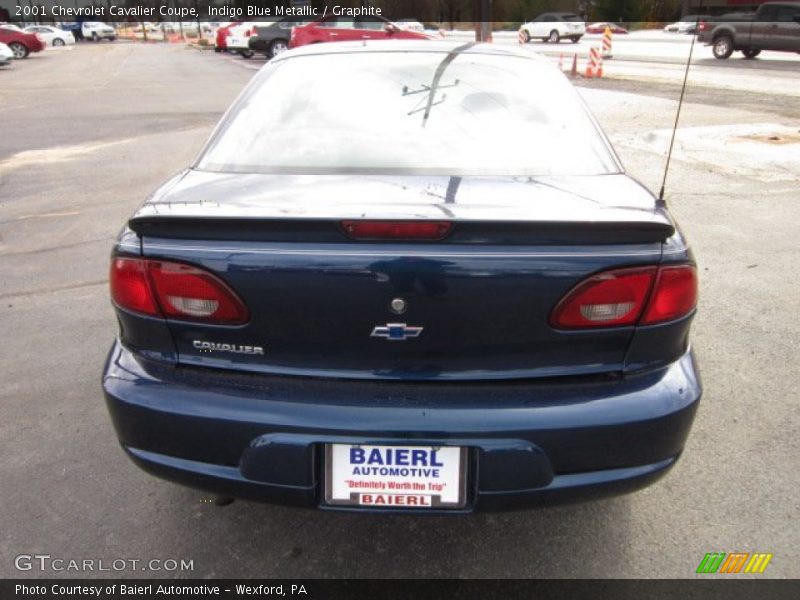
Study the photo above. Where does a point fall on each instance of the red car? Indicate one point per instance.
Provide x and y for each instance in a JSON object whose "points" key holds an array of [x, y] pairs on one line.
{"points": [[221, 43], [601, 28], [20, 43], [349, 29]]}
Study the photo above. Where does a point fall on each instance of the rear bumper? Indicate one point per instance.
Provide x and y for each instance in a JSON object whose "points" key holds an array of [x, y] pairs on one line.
{"points": [[530, 444]]}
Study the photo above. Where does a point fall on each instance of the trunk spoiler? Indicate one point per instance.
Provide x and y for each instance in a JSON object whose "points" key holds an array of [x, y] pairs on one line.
{"points": [[650, 229]]}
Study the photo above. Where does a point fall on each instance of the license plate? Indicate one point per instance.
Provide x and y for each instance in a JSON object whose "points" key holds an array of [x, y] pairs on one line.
{"points": [[395, 476]]}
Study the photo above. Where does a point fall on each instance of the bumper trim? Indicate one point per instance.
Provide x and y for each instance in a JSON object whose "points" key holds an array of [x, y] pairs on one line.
{"points": [[570, 487], [533, 443]]}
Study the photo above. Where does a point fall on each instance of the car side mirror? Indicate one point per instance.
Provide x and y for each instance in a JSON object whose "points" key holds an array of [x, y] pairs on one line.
{"points": [[390, 28]]}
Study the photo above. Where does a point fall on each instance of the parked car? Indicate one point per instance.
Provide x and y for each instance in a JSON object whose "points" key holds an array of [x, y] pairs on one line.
{"points": [[553, 26], [153, 29], [6, 55], [350, 321], [20, 42], [774, 26], [221, 39], [411, 25], [238, 39], [96, 31], [601, 28], [272, 39], [74, 28], [52, 36], [687, 24], [344, 29], [207, 28]]}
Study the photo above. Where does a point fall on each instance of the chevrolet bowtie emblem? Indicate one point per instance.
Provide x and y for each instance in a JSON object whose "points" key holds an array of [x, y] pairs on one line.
{"points": [[396, 331]]}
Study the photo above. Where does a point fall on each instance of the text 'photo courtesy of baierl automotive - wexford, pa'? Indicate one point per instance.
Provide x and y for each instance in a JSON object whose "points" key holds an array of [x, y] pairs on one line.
{"points": [[379, 299]]}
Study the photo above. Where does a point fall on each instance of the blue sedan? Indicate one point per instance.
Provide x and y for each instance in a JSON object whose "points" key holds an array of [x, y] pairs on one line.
{"points": [[404, 276]]}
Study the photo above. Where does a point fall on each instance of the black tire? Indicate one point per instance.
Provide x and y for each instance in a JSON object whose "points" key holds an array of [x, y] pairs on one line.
{"points": [[94, 37], [575, 39], [113, 38], [20, 50], [526, 36], [554, 37], [277, 47], [723, 47], [246, 53], [750, 52], [58, 42]]}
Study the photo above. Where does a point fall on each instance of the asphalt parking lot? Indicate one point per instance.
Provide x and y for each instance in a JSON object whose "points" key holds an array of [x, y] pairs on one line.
{"points": [[87, 134]]}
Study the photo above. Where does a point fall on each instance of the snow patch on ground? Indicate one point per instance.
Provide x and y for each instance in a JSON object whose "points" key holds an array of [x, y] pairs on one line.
{"points": [[762, 151]]}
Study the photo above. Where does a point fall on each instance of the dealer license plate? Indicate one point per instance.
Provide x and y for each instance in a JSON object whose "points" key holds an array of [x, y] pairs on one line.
{"points": [[395, 476]]}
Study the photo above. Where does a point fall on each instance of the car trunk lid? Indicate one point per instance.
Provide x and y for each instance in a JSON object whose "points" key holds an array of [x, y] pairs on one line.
{"points": [[474, 305]]}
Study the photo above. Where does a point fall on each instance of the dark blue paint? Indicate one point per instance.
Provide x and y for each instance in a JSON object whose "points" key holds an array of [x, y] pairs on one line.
{"points": [[546, 415], [484, 310], [259, 437]]}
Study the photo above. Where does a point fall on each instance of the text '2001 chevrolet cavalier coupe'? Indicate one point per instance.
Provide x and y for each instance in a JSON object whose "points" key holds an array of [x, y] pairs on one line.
{"points": [[404, 276]]}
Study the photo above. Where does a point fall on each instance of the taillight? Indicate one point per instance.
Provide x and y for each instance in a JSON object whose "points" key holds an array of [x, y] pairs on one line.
{"points": [[174, 291], [702, 26], [624, 297], [130, 286], [610, 299], [186, 292], [397, 230], [674, 294]]}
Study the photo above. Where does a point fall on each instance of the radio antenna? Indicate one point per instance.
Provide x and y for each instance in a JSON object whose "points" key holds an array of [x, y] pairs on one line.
{"points": [[661, 201]]}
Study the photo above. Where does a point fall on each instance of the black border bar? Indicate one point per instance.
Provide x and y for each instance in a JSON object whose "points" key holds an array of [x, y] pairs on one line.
{"points": [[706, 587]]}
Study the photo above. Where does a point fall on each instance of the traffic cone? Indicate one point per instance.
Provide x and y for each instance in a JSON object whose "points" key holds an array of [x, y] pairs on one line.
{"points": [[573, 72], [606, 43], [598, 72]]}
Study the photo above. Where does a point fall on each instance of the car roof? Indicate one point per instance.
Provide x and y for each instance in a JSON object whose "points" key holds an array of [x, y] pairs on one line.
{"points": [[393, 46]]}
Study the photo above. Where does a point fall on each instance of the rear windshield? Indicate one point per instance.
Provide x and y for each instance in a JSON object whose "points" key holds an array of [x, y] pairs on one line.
{"points": [[409, 113]]}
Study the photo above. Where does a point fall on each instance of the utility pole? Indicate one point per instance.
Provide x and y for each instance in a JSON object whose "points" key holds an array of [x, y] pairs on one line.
{"points": [[483, 25], [199, 24]]}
